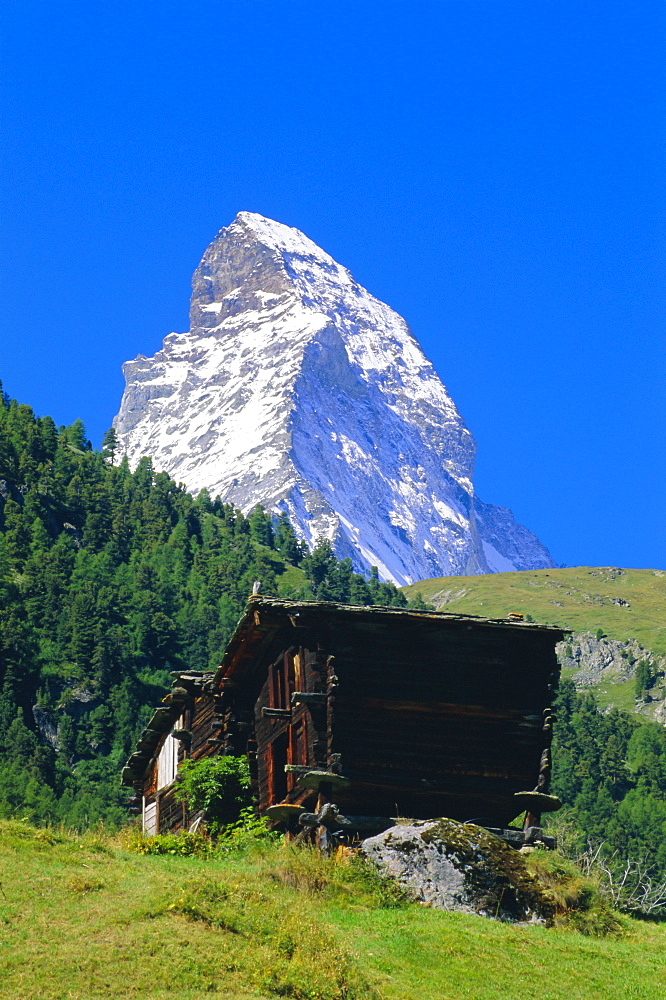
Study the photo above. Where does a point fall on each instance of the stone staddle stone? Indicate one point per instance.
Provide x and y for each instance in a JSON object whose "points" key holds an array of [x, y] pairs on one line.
{"points": [[459, 867]]}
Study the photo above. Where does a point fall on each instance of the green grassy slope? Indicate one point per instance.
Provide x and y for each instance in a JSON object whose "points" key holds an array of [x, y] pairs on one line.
{"points": [[84, 918], [581, 598]]}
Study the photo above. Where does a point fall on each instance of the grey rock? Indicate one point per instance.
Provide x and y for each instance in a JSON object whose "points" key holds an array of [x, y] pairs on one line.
{"points": [[459, 867], [46, 726]]}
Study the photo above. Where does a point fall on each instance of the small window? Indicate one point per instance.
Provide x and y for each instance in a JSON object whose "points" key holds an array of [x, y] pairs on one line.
{"points": [[298, 660], [167, 762], [298, 748]]}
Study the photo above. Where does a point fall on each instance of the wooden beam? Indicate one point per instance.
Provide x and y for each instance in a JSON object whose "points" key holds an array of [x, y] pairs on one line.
{"points": [[276, 713], [311, 698]]}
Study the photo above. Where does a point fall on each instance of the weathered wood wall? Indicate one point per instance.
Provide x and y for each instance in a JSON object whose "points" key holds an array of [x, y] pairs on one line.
{"points": [[200, 720], [429, 721], [289, 733]]}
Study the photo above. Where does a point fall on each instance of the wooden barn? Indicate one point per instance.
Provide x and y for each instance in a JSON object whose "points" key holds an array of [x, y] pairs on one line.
{"points": [[352, 715]]}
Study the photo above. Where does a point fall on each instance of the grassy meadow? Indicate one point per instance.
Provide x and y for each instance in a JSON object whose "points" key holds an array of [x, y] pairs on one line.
{"points": [[624, 603], [83, 917]]}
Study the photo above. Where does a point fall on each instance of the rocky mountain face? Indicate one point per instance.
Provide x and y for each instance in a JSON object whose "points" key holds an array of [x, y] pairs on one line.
{"points": [[297, 389]]}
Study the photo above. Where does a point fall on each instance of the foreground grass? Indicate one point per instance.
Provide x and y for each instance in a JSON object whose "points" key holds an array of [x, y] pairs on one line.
{"points": [[581, 598], [83, 917]]}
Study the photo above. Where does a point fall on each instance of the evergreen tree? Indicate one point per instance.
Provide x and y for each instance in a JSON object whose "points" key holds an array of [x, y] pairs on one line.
{"points": [[17, 534], [110, 444], [644, 678], [286, 542], [261, 529]]}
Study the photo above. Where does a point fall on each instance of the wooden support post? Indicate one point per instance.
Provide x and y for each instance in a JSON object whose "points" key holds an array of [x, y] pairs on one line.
{"points": [[286, 813], [323, 840], [533, 815], [322, 835], [531, 819]]}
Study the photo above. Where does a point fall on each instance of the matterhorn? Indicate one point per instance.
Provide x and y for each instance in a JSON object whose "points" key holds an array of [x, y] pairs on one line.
{"points": [[296, 389]]}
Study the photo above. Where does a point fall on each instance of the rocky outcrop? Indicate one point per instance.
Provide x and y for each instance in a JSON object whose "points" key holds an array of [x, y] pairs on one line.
{"points": [[77, 701], [592, 660], [597, 659], [47, 726], [297, 389], [461, 867]]}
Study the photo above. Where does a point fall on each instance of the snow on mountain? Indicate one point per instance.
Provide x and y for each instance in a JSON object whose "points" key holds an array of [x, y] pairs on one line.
{"points": [[297, 389]]}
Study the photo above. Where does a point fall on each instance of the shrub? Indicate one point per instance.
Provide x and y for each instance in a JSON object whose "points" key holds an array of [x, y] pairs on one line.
{"points": [[631, 885], [247, 833], [343, 875], [219, 786], [182, 845], [579, 900]]}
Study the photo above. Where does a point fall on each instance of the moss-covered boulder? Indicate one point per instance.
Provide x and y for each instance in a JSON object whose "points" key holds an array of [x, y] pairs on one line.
{"points": [[459, 866]]}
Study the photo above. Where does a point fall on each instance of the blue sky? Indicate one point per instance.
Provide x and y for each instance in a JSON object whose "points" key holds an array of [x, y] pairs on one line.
{"points": [[493, 170]]}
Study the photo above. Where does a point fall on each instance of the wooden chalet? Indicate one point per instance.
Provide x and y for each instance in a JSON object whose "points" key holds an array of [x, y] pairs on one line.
{"points": [[352, 715]]}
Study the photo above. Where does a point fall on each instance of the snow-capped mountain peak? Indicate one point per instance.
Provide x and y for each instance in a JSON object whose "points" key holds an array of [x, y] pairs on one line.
{"points": [[297, 389], [278, 236]]}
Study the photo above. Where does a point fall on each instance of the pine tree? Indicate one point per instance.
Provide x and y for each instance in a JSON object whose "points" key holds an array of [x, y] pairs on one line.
{"points": [[644, 678], [110, 444], [261, 529], [17, 534], [286, 542]]}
